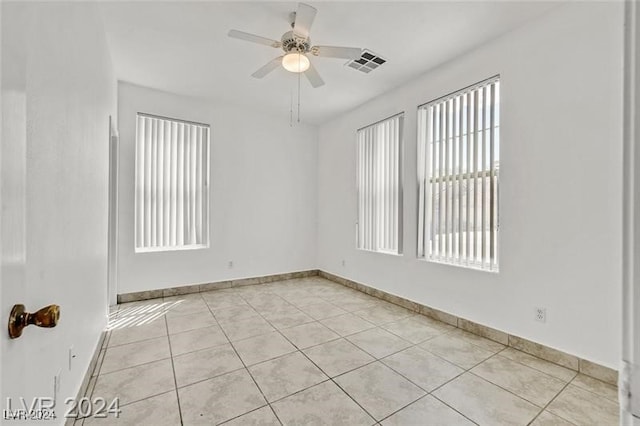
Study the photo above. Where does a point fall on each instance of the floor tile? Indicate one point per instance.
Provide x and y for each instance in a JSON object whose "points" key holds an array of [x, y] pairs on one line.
{"points": [[267, 300], [244, 329], [338, 356], [414, 329], [287, 319], [262, 348], [532, 385], [353, 304], [184, 305], [160, 410], [323, 310], [178, 324], [205, 364], [305, 300], [596, 386], [306, 335], [134, 384], [323, 404], [456, 350], [555, 370], [582, 407], [384, 314], [221, 398], [547, 419], [378, 389], [136, 333], [143, 308], [283, 376], [422, 368], [480, 341], [261, 417], [234, 313], [347, 324], [197, 339], [378, 342], [485, 403], [216, 300], [427, 411], [132, 354]]}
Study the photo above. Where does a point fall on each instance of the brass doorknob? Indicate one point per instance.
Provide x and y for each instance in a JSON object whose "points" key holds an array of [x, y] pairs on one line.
{"points": [[19, 318]]}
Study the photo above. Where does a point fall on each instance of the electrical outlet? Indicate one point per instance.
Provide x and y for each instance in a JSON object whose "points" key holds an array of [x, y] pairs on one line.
{"points": [[540, 314], [230, 264], [344, 262]]}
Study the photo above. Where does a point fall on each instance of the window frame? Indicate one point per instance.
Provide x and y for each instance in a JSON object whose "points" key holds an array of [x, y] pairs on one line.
{"points": [[205, 160], [426, 179], [400, 177]]}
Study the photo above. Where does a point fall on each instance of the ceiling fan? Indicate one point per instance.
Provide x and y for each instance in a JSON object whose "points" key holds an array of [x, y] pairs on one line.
{"points": [[297, 47]]}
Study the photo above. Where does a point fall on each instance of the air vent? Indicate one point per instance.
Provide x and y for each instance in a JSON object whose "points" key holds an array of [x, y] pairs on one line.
{"points": [[367, 62]]}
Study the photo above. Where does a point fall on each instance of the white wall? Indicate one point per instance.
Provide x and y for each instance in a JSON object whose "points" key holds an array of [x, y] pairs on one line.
{"points": [[263, 195], [560, 171], [58, 90]]}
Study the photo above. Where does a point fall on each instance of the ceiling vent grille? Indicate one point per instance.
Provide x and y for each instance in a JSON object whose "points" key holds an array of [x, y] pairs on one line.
{"points": [[367, 62]]}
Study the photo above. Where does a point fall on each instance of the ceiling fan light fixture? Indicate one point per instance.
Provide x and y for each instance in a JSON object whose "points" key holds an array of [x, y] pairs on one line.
{"points": [[295, 62]]}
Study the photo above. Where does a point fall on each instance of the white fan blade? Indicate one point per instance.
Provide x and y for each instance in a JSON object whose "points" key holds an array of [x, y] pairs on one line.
{"points": [[337, 52], [254, 38], [270, 66], [304, 19], [313, 76]]}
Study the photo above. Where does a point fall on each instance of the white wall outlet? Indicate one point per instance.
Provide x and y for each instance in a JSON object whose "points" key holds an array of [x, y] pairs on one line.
{"points": [[72, 356], [344, 262], [540, 314], [230, 264]]}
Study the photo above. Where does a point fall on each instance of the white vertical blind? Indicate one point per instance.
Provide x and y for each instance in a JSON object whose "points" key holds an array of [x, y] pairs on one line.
{"points": [[379, 186], [458, 164], [172, 184]]}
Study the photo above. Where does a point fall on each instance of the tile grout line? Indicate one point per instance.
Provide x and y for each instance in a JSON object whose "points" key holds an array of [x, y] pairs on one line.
{"points": [[537, 369], [383, 295], [329, 378], [590, 391], [245, 367], [222, 329], [173, 369], [549, 403], [375, 359], [468, 370]]}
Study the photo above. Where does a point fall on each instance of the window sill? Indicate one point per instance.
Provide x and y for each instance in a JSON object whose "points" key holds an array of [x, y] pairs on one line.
{"points": [[463, 265], [165, 249], [392, 253]]}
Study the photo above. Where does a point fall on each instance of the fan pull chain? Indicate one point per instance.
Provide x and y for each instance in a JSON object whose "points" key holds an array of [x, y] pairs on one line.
{"points": [[291, 109], [299, 97]]}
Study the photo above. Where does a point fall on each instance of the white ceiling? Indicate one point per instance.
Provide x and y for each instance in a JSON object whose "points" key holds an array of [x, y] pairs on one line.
{"points": [[183, 47]]}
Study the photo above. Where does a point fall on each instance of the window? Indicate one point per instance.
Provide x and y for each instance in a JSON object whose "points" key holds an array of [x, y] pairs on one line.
{"points": [[379, 191], [458, 169], [172, 184]]}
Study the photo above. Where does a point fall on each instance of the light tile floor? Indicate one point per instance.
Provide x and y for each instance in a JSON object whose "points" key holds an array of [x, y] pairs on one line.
{"points": [[312, 352]]}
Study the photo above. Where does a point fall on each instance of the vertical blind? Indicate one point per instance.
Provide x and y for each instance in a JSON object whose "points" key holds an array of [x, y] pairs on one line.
{"points": [[458, 169], [379, 186], [172, 184]]}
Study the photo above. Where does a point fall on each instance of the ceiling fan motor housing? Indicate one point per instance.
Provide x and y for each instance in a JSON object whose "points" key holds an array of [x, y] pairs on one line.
{"points": [[292, 43]]}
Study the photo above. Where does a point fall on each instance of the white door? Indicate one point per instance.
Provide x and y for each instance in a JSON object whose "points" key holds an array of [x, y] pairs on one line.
{"points": [[57, 91], [12, 231]]}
